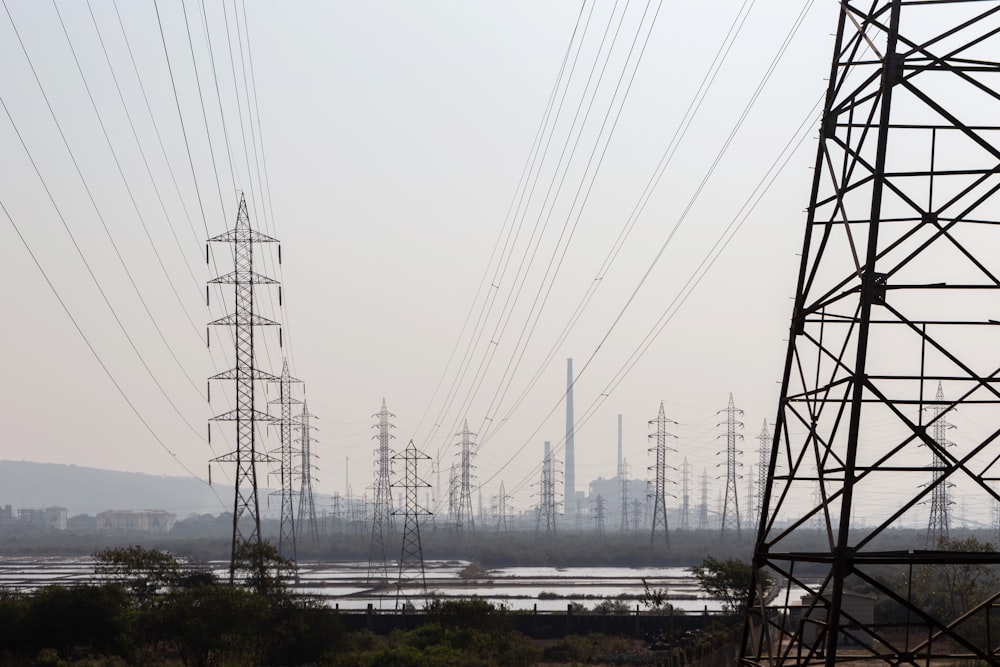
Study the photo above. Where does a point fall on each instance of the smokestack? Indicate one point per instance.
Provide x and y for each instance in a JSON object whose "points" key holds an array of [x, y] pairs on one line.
{"points": [[619, 445], [570, 472]]}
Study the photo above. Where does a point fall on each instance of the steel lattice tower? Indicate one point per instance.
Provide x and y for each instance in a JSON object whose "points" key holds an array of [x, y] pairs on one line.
{"points": [[685, 496], [546, 520], [453, 496], [286, 530], [244, 320], [502, 524], [623, 479], [938, 520], [464, 517], [382, 508], [703, 507], [896, 289], [660, 474], [730, 515], [411, 560], [600, 513], [307, 505], [763, 458]]}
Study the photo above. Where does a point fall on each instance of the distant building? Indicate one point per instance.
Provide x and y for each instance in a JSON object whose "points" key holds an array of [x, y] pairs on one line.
{"points": [[6, 516], [48, 517], [150, 521]]}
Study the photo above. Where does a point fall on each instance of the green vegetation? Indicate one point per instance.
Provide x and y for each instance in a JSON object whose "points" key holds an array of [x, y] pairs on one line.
{"points": [[729, 581], [148, 607]]}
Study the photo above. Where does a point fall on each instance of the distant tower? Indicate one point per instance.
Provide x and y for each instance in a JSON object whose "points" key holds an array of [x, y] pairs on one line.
{"points": [[660, 474], [411, 560], [620, 457], [246, 507], [546, 521], [636, 515], [703, 506], [938, 522], [600, 513], [286, 532], [623, 479], [465, 520], [730, 515], [685, 502], [569, 493], [453, 496], [307, 505], [502, 524], [382, 508], [763, 459]]}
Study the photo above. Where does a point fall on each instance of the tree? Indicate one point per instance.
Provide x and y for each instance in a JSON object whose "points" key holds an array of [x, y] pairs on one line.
{"points": [[729, 581], [141, 572]]}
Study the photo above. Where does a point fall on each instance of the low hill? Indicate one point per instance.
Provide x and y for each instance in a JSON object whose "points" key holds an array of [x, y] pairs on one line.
{"points": [[82, 490]]}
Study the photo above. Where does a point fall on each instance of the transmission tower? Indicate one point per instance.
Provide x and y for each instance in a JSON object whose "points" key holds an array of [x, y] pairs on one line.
{"points": [[763, 458], [546, 520], [307, 505], [600, 513], [703, 507], [636, 514], [411, 560], [464, 517], [502, 523], [623, 478], [244, 319], [286, 533], [730, 514], [686, 498], [453, 496], [660, 474], [382, 523], [937, 522], [897, 267]]}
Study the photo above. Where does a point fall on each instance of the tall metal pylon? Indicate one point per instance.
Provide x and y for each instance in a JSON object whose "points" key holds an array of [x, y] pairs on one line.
{"points": [[382, 524], [502, 523], [464, 517], [685, 495], [763, 460], [659, 469], [286, 526], [411, 559], [600, 513], [938, 520], [545, 523], [898, 276], [703, 506], [730, 515], [453, 496], [307, 504], [623, 479], [244, 319]]}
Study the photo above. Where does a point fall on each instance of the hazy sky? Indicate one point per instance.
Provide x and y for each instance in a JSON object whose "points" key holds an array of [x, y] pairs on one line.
{"points": [[395, 137]]}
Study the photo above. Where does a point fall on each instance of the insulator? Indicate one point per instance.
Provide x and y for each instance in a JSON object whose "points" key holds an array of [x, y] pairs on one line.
{"points": [[207, 303], [208, 338], [206, 253], [210, 474], [281, 339], [210, 433], [279, 296], [279, 254], [208, 390]]}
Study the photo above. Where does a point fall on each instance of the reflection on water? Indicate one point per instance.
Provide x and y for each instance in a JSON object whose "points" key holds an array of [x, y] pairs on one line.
{"points": [[345, 585]]}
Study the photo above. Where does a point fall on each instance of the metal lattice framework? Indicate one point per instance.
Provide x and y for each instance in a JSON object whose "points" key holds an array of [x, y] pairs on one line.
{"points": [[307, 504], [599, 512], [411, 560], [245, 375], [703, 505], [685, 495], [660, 474], [730, 515], [382, 523], [897, 291], [623, 480], [545, 523], [464, 519], [286, 529], [763, 461], [938, 522]]}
